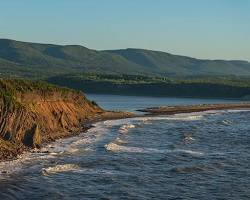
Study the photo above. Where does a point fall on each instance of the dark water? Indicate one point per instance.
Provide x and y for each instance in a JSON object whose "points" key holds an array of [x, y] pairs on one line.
{"points": [[186, 156]]}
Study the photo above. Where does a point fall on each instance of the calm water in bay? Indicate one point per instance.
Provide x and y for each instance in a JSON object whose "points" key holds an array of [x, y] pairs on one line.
{"points": [[131, 103], [203, 155]]}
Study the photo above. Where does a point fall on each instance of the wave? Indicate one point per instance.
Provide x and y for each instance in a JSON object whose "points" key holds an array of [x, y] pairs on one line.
{"points": [[219, 112], [119, 148], [175, 117], [60, 168], [181, 117], [238, 110], [130, 123], [74, 144], [120, 141], [73, 168], [188, 139], [125, 128], [226, 122], [194, 116], [194, 153], [23, 160], [53, 150], [118, 122]]}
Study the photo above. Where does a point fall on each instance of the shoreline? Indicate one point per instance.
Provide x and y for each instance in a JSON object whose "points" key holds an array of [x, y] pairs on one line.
{"points": [[166, 110], [147, 112], [84, 127]]}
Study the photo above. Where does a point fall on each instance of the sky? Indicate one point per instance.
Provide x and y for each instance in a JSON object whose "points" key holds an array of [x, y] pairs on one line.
{"points": [[209, 29]]}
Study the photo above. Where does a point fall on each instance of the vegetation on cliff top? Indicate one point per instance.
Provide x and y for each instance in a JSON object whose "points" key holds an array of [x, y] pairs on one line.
{"points": [[9, 88], [23, 85]]}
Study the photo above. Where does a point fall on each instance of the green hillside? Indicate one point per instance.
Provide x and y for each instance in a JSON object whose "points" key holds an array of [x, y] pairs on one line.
{"points": [[32, 60], [210, 87], [167, 64]]}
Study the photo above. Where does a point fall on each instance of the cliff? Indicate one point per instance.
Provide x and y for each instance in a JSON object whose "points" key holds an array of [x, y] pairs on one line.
{"points": [[32, 113]]}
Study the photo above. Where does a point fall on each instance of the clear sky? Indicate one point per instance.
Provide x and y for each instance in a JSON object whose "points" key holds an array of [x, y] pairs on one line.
{"points": [[215, 29]]}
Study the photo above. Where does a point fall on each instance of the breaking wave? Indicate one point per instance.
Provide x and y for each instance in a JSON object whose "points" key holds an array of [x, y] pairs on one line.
{"points": [[60, 168], [113, 147], [125, 128], [54, 150]]}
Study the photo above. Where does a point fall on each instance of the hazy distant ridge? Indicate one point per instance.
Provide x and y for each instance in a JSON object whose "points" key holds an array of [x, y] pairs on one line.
{"points": [[33, 59]]}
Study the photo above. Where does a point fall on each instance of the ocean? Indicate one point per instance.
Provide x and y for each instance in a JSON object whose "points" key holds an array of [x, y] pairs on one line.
{"points": [[203, 155]]}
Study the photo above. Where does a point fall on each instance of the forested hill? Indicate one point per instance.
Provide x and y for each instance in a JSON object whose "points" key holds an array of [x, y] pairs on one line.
{"points": [[23, 59], [219, 87]]}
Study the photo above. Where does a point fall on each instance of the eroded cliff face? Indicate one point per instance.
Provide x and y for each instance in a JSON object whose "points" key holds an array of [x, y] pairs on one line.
{"points": [[35, 116]]}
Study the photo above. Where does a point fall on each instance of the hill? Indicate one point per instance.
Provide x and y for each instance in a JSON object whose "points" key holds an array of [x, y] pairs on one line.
{"points": [[33, 60], [205, 87]]}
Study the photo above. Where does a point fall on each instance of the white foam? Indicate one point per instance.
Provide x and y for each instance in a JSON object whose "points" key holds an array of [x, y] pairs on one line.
{"points": [[118, 148], [194, 116], [117, 122], [238, 110], [113, 147], [125, 128], [175, 117], [129, 123], [196, 153], [22, 160], [60, 168], [227, 122], [120, 141], [72, 145], [53, 150], [186, 118], [189, 138]]}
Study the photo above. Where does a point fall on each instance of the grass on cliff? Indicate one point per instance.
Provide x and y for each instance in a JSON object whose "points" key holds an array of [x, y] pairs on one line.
{"points": [[9, 88], [23, 85]]}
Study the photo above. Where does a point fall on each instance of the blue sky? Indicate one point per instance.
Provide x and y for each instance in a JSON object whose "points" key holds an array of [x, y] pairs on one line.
{"points": [[214, 29]]}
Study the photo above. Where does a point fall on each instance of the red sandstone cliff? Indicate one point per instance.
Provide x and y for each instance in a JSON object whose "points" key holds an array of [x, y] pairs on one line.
{"points": [[30, 117]]}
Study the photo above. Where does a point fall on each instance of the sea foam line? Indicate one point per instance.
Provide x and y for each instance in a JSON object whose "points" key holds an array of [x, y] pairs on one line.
{"points": [[119, 148]]}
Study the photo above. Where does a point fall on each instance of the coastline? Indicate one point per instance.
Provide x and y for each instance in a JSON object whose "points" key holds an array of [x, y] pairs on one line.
{"points": [[84, 127], [165, 110], [154, 111]]}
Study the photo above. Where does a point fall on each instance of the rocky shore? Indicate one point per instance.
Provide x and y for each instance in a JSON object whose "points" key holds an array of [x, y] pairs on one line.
{"points": [[33, 113]]}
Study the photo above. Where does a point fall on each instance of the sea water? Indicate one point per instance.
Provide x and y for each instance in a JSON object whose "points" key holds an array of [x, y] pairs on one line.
{"points": [[203, 155]]}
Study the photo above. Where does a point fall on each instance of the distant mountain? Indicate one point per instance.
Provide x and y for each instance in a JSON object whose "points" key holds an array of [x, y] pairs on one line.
{"points": [[42, 60]]}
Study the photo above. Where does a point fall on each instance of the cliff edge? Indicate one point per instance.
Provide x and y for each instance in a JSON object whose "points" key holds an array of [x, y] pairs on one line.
{"points": [[32, 113]]}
